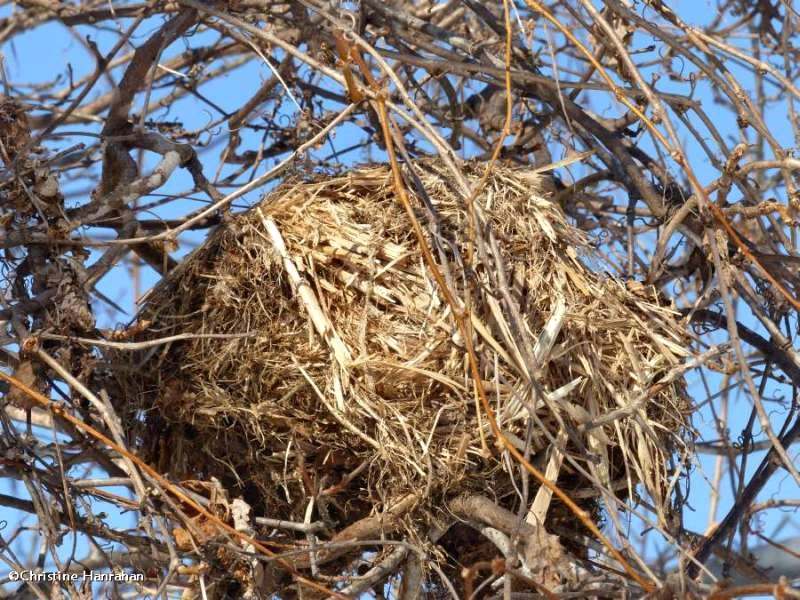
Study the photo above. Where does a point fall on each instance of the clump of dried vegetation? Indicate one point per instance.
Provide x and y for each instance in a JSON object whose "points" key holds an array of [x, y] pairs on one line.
{"points": [[319, 373]]}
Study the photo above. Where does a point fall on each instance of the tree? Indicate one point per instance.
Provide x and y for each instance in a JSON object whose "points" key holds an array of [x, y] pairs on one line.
{"points": [[665, 134]]}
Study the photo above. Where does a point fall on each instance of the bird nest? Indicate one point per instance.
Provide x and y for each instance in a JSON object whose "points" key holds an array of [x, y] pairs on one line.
{"points": [[317, 361]]}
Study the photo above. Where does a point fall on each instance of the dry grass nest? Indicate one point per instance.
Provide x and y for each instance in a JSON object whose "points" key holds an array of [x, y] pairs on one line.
{"points": [[350, 383]]}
